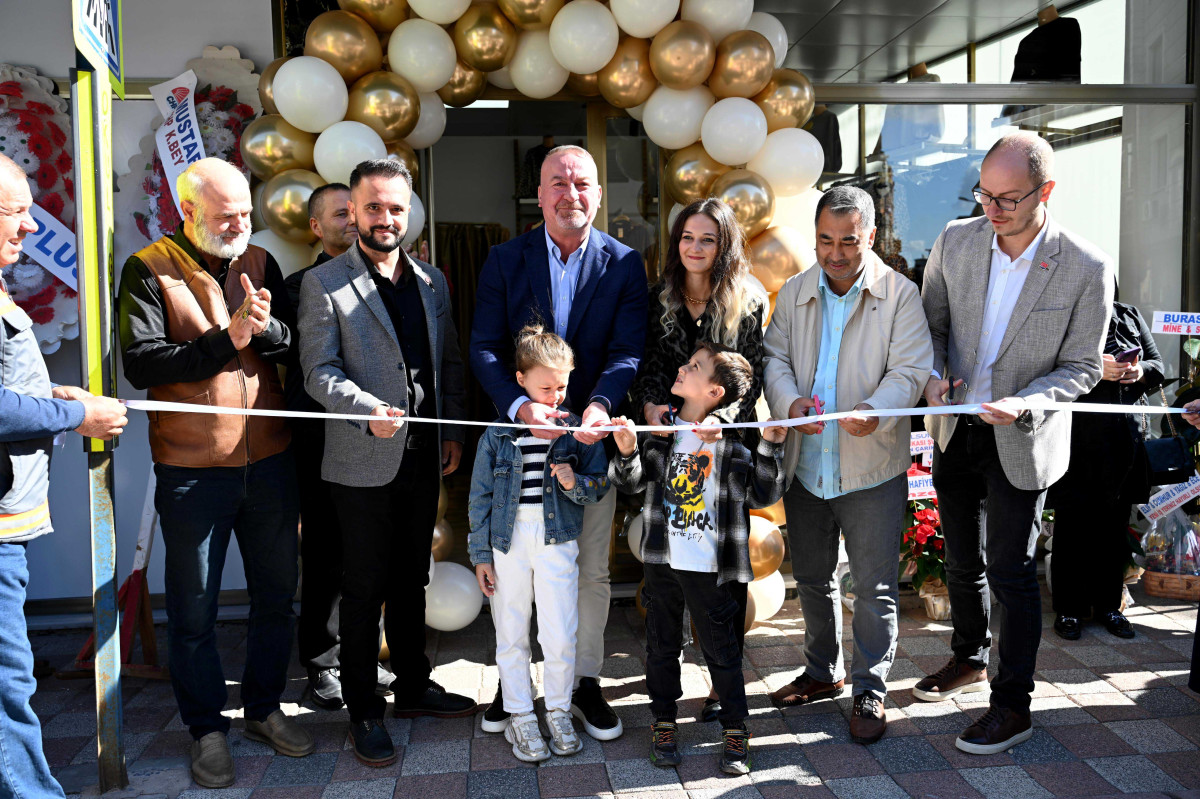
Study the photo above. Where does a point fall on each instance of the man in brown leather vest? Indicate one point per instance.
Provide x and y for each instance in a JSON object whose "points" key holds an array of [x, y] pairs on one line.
{"points": [[197, 328]]}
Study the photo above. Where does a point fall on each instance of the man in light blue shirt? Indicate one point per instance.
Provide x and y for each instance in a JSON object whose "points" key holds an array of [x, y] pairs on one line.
{"points": [[850, 336]]}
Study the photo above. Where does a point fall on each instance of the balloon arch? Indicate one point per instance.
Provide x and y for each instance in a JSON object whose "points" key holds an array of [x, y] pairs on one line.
{"points": [[704, 77]]}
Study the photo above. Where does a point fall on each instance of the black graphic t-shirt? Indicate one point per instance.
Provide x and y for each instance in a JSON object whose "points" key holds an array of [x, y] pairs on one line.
{"points": [[690, 504]]}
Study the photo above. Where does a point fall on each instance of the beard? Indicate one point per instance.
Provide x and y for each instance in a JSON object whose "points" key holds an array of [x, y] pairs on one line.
{"points": [[378, 244], [218, 246]]}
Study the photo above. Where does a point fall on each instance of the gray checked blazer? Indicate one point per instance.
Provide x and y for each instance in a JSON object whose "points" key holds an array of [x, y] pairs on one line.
{"points": [[352, 363], [1050, 350]]}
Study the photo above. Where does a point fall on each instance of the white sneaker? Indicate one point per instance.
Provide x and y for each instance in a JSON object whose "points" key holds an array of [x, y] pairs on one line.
{"points": [[523, 733], [563, 738]]}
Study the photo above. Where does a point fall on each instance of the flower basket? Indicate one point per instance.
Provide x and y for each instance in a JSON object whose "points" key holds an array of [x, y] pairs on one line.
{"points": [[936, 597], [923, 555]]}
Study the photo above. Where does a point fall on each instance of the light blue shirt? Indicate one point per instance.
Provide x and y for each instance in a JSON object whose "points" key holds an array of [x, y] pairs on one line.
{"points": [[820, 468], [564, 279]]}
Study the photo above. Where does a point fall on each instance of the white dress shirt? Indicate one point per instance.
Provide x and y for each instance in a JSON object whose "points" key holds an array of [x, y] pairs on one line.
{"points": [[1005, 282]]}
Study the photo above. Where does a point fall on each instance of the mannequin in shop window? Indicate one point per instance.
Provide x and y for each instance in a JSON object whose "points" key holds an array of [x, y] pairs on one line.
{"points": [[531, 170], [1050, 52], [911, 125], [823, 124]]}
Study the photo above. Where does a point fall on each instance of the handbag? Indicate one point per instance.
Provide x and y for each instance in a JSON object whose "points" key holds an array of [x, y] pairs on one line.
{"points": [[1168, 459]]}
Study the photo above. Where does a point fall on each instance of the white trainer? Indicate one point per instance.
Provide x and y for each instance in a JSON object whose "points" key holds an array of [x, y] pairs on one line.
{"points": [[526, 739], [563, 738]]}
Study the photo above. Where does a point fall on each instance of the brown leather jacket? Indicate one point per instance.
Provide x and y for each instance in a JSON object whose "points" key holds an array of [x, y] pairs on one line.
{"points": [[195, 311]]}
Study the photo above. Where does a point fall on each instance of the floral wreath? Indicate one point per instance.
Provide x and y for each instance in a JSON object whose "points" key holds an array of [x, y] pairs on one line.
{"points": [[35, 132], [221, 119]]}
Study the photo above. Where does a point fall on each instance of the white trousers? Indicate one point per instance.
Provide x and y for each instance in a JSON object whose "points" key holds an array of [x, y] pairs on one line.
{"points": [[548, 574], [595, 592]]}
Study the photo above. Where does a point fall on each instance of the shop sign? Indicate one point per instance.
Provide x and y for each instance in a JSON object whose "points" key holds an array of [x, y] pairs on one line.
{"points": [[1176, 322], [98, 37]]}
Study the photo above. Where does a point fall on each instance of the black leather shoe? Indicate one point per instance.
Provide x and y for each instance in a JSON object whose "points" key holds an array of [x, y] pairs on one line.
{"points": [[325, 688], [383, 680], [372, 744], [588, 705], [433, 701], [1115, 622], [495, 719], [711, 709], [1068, 627]]}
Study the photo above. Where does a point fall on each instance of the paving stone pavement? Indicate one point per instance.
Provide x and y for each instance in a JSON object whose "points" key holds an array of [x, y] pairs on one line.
{"points": [[1111, 717]]}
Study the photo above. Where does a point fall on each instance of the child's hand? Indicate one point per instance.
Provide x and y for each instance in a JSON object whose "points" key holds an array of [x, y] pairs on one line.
{"points": [[775, 434], [708, 432], [565, 475], [626, 439], [486, 576]]}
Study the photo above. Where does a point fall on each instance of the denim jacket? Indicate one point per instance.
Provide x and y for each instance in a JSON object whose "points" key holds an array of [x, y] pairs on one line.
{"points": [[496, 490]]}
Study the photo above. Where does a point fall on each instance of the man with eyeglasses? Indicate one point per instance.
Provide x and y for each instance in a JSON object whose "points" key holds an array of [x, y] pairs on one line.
{"points": [[198, 326], [1018, 308]]}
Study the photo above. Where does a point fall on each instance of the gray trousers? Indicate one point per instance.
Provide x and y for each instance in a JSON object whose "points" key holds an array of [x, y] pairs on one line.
{"points": [[871, 521]]}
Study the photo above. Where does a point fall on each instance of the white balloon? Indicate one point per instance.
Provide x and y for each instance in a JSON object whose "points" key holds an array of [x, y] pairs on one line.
{"points": [[310, 93], [644, 18], [443, 12], [533, 70], [673, 214], [453, 599], [421, 52], [430, 125], [636, 528], [290, 255], [770, 26], [501, 79], [799, 212], [584, 36], [672, 117], [768, 593], [343, 146], [733, 130], [432, 565], [416, 222], [637, 111], [721, 17], [791, 160]]}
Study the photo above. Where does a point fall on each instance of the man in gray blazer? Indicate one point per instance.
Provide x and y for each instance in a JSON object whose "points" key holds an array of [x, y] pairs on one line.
{"points": [[377, 339], [1018, 308]]}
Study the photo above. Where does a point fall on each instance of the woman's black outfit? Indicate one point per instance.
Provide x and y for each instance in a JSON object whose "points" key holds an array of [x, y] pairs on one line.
{"points": [[1107, 475]]}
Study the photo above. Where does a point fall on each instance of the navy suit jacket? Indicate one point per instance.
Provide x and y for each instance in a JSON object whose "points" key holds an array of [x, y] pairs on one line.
{"points": [[606, 327]]}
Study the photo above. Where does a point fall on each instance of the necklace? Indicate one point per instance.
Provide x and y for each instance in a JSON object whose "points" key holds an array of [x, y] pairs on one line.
{"points": [[695, 301]]}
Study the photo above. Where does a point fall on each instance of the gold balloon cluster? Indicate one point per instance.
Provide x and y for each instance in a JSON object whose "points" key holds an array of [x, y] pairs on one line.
{"points": [[346, 41]]}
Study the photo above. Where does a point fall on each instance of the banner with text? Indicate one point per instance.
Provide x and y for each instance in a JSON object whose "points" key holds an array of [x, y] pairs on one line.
{"points": [[52, 246], [1176, 322], [178, 140], [1170, 498]]}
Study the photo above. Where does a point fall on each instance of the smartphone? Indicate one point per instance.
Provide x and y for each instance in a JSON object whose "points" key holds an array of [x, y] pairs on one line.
{"points": [[1129, 356]]}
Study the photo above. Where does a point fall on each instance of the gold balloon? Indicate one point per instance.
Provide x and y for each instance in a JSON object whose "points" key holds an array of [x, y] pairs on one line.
{"points": [[271, 144], [444, 502], [385, 102], [464, 87], [770, 310], [766, 547], [346, 42], [682, 54], [257, 222], [627, 79], [285, 204], [750, 197], [484, 37], [690, 173], [402, 152], [774, 513], [382, 15], [777, 254], [744, 64], [584, 85], [266, 83], [443, 540], [531, 15], [787, 100]]}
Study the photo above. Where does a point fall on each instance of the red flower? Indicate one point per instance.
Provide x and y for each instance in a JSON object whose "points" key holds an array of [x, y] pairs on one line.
{"points": [[243, 110], [28, 122], [46, 176], [916, 550], [921, 535], [69, 186], [40, 146], [10, 88], [39, 108], [938, 543], [64, 163], [55, 133], [41, 316], [926, 529], [53, 205], [142, 224], [43, 297], [67, 292]]}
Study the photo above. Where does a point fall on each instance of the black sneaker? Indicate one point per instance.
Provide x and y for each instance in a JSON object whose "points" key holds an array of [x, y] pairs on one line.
{"points": [[588, 705], [664, 749], [735, 758], [325, 688], [495, 719], [711, 709], [433, 701], [372, 744]]}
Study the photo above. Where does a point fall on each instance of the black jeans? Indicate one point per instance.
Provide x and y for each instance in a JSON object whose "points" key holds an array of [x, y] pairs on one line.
{"points": [[719, 613], [387, 534], [970, 481]]}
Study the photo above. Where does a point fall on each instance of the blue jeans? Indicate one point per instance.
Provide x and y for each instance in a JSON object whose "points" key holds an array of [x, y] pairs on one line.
{"points": [[870, 521], [23, 769], [199, 508]]}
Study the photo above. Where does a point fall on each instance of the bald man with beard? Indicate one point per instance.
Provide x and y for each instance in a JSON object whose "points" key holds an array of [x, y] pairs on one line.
{"points": [[198, 327]]}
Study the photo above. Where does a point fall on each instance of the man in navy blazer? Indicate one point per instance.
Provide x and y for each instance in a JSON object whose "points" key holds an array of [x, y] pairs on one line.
{"points": [[591, 290]]}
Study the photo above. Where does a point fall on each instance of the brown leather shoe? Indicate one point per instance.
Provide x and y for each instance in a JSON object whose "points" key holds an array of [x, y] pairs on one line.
{"points": [[951, 680], [805, 689], [867, 722], [997, 730]]}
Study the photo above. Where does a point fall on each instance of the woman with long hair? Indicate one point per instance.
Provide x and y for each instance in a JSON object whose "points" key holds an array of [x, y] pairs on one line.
{"points": [[706, 294]]}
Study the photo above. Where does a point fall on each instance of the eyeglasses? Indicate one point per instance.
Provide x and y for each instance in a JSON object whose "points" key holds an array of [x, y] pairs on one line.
{"points": [[1003, 203]]}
